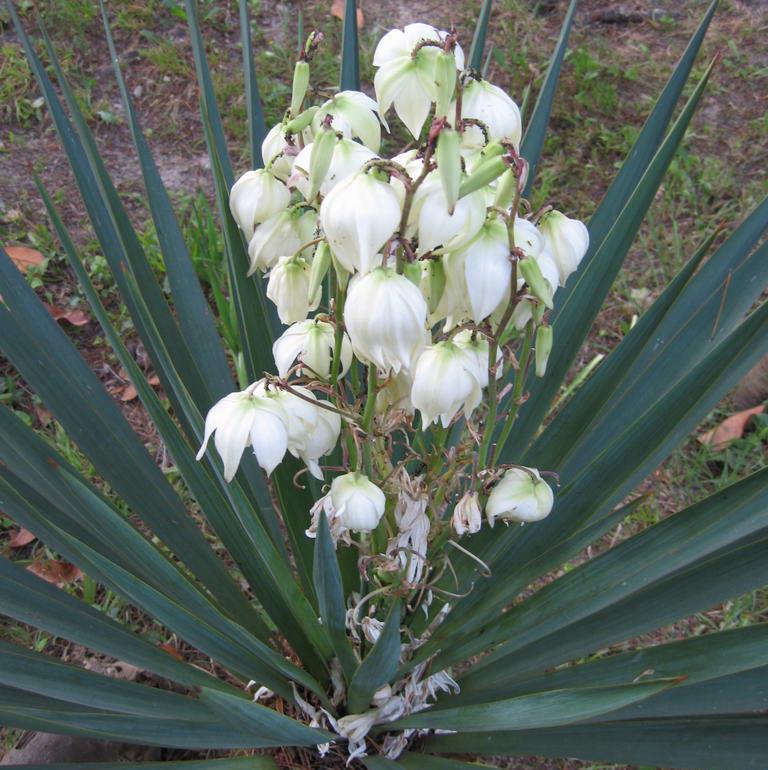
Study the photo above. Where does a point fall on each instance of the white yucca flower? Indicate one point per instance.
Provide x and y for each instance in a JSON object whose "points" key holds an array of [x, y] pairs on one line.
{"points": [[446, 380], [357, 501], [495, 109], [312, 343], [385, 316], [348, 158], [567, 240], [358, 217], [288, 288], [521, 495], [406, 80], [249, 417], [355, 115], [255, 197], [282, 235]]}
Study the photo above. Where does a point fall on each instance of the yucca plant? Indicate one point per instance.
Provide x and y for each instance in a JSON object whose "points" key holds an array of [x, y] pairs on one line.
{"points": [[391, 625]]}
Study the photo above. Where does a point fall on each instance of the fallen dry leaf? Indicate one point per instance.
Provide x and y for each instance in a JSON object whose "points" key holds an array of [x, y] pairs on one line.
{"points": [[337, 10], [60, 573], [731, 428], [24, 257], [129, 392], [172, 651], [76, 317], [20, 537]]}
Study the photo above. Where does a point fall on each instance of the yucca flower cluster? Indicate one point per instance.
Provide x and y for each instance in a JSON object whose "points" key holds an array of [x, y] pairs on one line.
{"points": [[405, 282]]}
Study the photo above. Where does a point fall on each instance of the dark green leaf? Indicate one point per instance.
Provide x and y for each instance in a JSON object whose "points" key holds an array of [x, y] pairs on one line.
{"points": [[29, 599], [257, 129], [44, 356], [192, 310], [576, 308], [330, 597], [544, 709], [238, 763], [253, 717], [478, 39], [349, 79], [535, 133], [717, 744]]}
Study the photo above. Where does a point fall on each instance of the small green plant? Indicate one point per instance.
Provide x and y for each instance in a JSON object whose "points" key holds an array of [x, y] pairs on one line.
{"points": [[379, 618]]}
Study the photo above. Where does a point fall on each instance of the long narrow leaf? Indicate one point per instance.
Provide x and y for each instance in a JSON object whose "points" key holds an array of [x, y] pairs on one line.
{"points": [[529, 712], [257, 129], [535, 133], [48, 361], [349, 79], [717, 744], [192, 310], [478, 39]]}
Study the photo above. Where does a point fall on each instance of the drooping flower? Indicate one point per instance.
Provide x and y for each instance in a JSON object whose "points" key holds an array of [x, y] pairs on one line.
{"points": [[567, 240], [279, 236], [311, 342], [477, 346], [408, 80], [247, 417], [520, 495], [467, 516], [385, 316], [358, 216], [487, 269], [255, 197], [494, 108], [348, 157], [278, 153], [445, 381], [288, 288], [355, 115], [357, 501], [437, 227]]}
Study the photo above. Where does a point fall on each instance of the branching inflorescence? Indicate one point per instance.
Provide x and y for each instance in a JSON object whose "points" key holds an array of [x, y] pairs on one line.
{"points": [[406, 283]]}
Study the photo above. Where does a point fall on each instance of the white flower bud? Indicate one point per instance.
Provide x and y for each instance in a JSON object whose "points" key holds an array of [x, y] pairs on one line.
{"points": [[521, 495], [467, 516], [255, 197], [355, 115], [348, 158], [543, 349], [494, 108], [288, 288], [280, 236], [311, 342], [445, 380], [320, 160], [248, 417], [449, 165], [385, 315], [358, 217], [407, 80], [358, 502], [479, 349], [523, 312], [567, 240], [300, 85]]}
